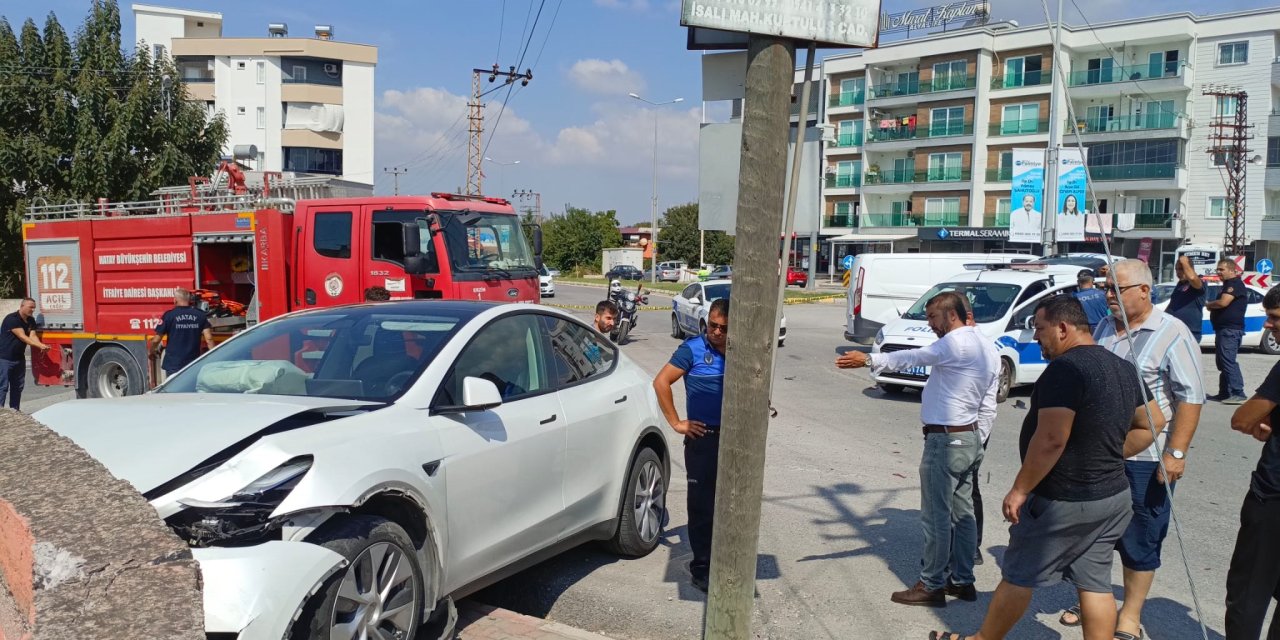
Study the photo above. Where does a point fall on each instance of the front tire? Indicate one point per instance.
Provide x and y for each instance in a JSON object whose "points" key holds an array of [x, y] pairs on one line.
{"points": [[623, 329], [676, 331], [113, 373], [1268, 345], [1006, 381], [380, 592], [644, 507], [894, 389]]}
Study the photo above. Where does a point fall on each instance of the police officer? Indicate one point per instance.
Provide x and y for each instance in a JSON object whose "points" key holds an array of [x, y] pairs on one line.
{"points": [[700, 361], [184, 325]]}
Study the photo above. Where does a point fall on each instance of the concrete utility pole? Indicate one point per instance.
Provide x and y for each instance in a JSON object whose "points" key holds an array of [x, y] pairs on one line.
{"points": [[396, 171], [753, 337]]}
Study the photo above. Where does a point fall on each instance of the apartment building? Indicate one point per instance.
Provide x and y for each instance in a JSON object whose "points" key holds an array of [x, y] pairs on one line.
{"points": [[923, 132], [302, 104]]}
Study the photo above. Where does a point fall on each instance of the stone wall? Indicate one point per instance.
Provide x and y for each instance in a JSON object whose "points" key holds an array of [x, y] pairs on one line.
{"points": [[83, 555]]}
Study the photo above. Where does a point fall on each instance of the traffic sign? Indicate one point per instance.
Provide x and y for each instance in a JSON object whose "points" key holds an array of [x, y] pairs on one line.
{"points": [[1257, 280], [1264, 266], [847, 262]]}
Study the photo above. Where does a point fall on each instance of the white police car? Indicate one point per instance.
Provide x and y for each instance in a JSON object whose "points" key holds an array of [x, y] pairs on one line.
{"points": [[1254, 315], [1004, 299]]}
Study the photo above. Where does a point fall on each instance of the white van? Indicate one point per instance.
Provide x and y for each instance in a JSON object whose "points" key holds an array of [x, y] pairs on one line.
{"points": [[883, 285], [1004, 300]]}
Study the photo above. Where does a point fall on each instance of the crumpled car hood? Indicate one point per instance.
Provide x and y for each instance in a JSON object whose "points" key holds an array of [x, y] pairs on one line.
{"points": [[150, 439]]}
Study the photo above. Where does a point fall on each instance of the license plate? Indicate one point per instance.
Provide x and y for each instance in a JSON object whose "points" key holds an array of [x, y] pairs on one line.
{"points": [[919, 372]]}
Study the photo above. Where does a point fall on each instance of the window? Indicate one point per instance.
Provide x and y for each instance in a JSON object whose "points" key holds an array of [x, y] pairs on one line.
{"points": [[579, 354], [845, 208], [1233, 53], [262, 117], [1273, 152], [262, 72], [1217, 209], [1225, 106], [510, 353], [1022, 72], [1157, 114], [1004, 205], [157, 51], [944, 166], [388, 238], [690, 292], [1162, 63], [1100, 70], [908, 83], [851, 89], [947, 121], [1134, 152], [1098, 117], [847, 168], [941, 212], [950, 75], [1020, 118], [240, 66], [309, 160], [1153, 206], [240, 111], [331, 234], [299, 73]]}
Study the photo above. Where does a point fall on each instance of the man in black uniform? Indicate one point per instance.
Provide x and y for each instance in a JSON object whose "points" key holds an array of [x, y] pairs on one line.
{"points": [[1227, 316], [184, 325], [700, 361], [17, 332]]}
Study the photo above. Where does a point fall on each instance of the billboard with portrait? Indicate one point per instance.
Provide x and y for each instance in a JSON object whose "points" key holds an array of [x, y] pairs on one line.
{"points": [[1026, 220], [1072, 184]]}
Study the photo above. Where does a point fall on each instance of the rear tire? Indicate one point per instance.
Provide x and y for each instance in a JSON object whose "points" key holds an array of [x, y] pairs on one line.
{"points": [[1268, 344], [643, 508], [113, 373], [893, 389], [1005, 385]]}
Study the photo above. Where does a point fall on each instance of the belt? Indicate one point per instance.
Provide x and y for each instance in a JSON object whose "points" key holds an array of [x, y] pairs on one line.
{"points": [[942, 428]]}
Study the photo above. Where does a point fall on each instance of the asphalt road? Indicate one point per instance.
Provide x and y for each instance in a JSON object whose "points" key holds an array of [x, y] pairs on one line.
{"points": [[840, 528]]}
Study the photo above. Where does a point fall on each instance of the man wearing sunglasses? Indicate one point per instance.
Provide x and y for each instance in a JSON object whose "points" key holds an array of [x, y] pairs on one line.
{"points": [[700, 361]]}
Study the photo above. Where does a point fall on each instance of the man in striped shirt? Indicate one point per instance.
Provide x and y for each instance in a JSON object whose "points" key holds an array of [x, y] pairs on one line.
{"points": [[1168, 357]]}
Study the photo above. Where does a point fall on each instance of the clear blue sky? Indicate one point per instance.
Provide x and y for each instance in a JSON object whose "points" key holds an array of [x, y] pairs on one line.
{"points": [[579, 139]]}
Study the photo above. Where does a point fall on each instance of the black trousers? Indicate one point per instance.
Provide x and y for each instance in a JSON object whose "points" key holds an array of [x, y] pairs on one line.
{"points": [[1253, 580], [701, 458]]}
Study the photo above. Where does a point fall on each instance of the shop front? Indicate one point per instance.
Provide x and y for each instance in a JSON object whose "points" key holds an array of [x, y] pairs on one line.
{"points": [[970, 240]]}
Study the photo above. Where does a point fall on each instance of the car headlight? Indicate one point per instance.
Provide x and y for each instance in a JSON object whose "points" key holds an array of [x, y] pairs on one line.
{"points": [[243, 517], [879, 337]]}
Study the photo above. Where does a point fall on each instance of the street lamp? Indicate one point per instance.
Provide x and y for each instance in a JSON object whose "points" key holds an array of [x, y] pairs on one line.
{"points": [[653, 230], [499, 162]]}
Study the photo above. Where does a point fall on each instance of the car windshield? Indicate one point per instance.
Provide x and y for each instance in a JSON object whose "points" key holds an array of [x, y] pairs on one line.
{"points": [[990, 300], [486, 242], [716, 291], [1162, 292], [361, 353]]}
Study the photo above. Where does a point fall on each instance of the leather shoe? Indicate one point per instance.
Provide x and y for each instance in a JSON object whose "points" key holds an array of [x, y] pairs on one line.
{"points": [[966, 592], [919, 596]]}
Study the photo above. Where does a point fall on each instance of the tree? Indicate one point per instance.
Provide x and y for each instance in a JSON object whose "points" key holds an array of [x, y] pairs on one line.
{"points": [[82, 120], [576, 238], [679, 237]]}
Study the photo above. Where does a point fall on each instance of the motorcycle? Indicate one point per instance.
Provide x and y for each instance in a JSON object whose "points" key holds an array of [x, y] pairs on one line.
{"points": [[628, 306]]}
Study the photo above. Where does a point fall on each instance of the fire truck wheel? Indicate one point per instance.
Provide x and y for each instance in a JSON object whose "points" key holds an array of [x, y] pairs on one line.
{"points": [[112, 374]]}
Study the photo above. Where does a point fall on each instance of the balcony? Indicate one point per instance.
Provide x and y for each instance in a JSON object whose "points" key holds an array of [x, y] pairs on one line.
{"points": [[847, 220], [1093, 83], [847, 99], [844, 181], [907, 138], [910, 93], [1153, 221], [907, 181], [847, 140], [998, 219], [1028, 127], [1128, 127], [1019, 81], [910, 219], [1003, 174], [1153, 225], [1153, 171]]}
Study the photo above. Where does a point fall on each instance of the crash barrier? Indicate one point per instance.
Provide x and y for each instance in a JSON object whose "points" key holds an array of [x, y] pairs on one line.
{"points": [[83, 554]]}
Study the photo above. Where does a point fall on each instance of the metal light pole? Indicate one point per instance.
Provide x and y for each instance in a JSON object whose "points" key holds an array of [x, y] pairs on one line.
{"points": [[499, 162], [653, 230]]}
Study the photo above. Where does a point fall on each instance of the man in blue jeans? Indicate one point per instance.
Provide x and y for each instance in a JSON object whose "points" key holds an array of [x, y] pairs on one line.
{"points": [[1226, 314], [17, 332]]}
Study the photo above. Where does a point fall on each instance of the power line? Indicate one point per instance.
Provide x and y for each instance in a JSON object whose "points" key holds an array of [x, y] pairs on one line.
{"points": [[502, 21], [506, 99], [547, 37]]}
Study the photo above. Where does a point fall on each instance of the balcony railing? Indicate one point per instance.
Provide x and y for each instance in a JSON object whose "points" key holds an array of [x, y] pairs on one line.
{"points": [[935, 130], [939, 85], [1019, 127], [844, 181], [1120, 74], [891, 220], [840, 220], [997, 219], [1146, 122], [848, 99], [197, 79], [1003, 174], [849, 140], [1151, 171], [1153, 221], [1025, 79], [952, 174]]}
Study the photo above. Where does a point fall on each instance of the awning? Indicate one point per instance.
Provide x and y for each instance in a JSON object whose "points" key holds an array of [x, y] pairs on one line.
{"points": [[849, 238]]}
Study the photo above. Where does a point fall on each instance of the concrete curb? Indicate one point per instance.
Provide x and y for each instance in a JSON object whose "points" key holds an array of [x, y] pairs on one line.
{"points": [[478, 621]]}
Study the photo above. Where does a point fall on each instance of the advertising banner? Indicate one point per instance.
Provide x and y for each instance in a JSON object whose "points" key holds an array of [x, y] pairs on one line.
{"points": [[1026, 220], [1072, 183]]}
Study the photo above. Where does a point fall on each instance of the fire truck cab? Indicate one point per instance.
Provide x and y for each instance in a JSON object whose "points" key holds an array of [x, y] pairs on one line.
{"points": [[103, 274]]}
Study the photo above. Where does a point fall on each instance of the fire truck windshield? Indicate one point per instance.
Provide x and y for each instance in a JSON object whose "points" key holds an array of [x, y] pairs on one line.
{"points": [[486, 242]]}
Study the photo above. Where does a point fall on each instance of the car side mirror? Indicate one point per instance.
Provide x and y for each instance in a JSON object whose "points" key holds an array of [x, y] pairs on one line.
{"points": [[479, 394], [411, 234]]}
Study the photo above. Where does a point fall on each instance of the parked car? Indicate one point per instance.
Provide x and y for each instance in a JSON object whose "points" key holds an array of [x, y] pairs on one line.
{"points": [[671, 271], [722, 272], [1254, 315], [689, 309], [623, 272], [386, 458], [797, 276], [546, 283]]}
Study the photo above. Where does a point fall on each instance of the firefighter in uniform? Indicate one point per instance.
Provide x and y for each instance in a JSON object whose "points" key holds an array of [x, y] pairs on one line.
{"points": [[700, 361]]}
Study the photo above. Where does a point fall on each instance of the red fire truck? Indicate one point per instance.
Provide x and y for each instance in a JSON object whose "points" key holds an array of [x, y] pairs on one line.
{"points": [[102, 274]]}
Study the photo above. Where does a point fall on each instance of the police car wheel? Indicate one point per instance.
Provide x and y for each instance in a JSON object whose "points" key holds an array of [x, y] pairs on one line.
{"points": [[1006, 381], [676, 331], [1268, 345], [892, 388], [643, 509]]}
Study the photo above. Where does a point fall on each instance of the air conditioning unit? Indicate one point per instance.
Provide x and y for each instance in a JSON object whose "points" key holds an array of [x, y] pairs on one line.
{"points": [[333, 69], [911, 154]]}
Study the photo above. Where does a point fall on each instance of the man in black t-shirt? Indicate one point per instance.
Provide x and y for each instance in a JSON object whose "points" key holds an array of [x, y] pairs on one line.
{"points": [[1070, 501], [1226, 314], [1186, 303], [17, 332], [1253, 578], [184, 325]]}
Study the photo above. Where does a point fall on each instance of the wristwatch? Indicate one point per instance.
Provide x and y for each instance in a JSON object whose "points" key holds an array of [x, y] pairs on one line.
{"points": [[870, 363], [1176, 453]]}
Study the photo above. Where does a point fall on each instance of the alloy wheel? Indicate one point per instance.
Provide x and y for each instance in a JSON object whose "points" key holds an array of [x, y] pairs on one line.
{"points": [[378, 597], [650, 501]]}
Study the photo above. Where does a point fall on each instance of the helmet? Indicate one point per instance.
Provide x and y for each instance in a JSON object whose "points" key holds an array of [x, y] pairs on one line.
{"points": [[615, 286]]}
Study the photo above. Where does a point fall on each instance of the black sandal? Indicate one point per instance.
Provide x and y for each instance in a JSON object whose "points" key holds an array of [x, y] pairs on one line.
{"points": [[1073, 610], [946, 635], [1125, 635]]}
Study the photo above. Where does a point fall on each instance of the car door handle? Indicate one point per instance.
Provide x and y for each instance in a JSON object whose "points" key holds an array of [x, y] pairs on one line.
{"points": [[548, 420], [620, 400]]}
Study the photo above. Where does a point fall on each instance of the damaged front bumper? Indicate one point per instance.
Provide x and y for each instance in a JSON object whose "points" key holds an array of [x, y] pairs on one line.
{"points": [[257, 591]]}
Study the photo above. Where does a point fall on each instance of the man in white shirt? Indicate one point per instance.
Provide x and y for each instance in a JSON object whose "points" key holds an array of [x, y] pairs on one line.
{"points": [[958, 409]]}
